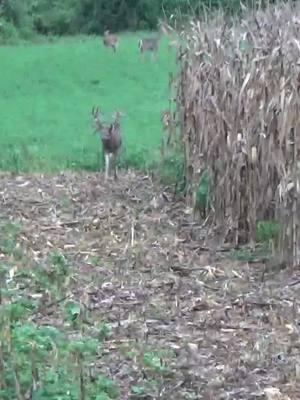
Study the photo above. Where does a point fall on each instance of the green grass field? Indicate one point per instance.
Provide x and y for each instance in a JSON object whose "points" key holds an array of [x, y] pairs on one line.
{"points": [[47, 93]]}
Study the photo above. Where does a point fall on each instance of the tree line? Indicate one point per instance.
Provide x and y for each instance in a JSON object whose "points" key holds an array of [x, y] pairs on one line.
{"points": [[24, 18]]}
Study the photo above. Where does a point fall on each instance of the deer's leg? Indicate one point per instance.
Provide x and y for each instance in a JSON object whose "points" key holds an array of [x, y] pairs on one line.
{"points": [[107, 157], [115, 167], [103, 158]]}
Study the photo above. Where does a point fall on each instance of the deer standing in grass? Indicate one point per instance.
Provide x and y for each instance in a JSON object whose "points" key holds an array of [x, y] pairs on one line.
{"points": [[150, 45], [111, 137], [110, 40]]}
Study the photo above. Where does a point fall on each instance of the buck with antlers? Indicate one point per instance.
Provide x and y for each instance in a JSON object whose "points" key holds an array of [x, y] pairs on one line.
{"points": [[110, 40], [111, 137]]}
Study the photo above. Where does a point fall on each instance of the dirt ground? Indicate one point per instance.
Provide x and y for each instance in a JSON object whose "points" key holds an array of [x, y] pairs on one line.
{"points": [[225, 329]]}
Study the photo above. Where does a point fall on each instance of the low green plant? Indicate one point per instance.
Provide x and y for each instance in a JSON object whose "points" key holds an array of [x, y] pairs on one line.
{"points": [[145, 389], [46, 361], [8, 32], [267, 230], [138, 390], [267, 233], [94, 260], [156, 360], [202, 197], [248, 254], [171, 169], [8, 239]]}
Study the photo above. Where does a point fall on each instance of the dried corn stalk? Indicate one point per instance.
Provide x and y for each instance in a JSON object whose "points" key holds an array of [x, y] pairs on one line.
{"points": [[238, 112]]}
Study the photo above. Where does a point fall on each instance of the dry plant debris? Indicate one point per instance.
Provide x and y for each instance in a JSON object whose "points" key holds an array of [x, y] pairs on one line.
{"points": [[237, 101], [225, 329]]}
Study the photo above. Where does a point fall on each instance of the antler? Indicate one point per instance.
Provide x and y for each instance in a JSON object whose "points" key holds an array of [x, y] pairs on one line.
{"points": [[96, 112], [117, 115]]}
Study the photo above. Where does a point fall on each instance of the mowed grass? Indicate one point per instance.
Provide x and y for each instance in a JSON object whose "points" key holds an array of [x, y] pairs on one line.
{"points": [[47, 93]]}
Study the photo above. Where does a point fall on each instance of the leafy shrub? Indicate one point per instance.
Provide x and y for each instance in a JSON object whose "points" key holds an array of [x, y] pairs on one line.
{"points": [[17, 14], [267, 230], [60, 17], [202, 199], [55, 17], [8, 32]]}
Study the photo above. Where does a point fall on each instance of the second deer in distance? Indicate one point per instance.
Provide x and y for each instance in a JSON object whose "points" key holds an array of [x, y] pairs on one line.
{"points": [[110, 40], [150, 44], [111, 137]]}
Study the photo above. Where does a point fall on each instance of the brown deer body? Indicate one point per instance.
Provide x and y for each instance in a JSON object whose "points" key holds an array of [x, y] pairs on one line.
{"points": [[111, 137], [150, 45], [110, 40]]}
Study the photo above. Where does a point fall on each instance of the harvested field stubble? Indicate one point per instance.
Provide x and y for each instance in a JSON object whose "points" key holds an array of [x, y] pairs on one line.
{"points": [[239, 113], [219, 329]]}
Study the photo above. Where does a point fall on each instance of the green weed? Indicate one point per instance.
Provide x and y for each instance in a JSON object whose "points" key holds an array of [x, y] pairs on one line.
{"points": [[46, 361], [259, 253], [202, 197], [171, 169], [94, 260], [266, 233], [8, 238], [156, 360], [267, 230]]}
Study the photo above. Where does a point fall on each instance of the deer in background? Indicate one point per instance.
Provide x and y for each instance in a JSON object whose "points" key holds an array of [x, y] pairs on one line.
{"points": [[168, 31], [110, 40], [111, 137], [150, 44]]}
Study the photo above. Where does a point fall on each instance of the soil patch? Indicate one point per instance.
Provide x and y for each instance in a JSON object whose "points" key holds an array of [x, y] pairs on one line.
{"points": [[220, 329]]}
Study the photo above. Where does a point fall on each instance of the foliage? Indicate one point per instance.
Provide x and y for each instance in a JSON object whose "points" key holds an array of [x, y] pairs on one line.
{"points": [[261, 253], [171, 169], [16, 20], [267, 234], [8, 32], [253, 157], [45, 361], [202, 196], [267, 230], [61, 17], [55, 17], [79, 271]]}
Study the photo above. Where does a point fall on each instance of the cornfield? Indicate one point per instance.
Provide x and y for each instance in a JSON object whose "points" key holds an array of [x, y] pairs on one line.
{"points": [[238, 111]]}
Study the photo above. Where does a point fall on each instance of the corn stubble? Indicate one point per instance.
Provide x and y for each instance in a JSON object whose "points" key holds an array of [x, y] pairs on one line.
{"points": [[238, 109]]}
